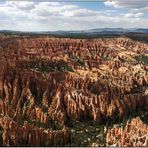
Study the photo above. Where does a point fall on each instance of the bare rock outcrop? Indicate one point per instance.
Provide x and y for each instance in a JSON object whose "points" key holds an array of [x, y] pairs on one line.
{"points": [[47, 83], [135, 134]]}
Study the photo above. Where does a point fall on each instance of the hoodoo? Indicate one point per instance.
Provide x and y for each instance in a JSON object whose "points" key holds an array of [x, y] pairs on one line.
{"points": [[49, 85]]}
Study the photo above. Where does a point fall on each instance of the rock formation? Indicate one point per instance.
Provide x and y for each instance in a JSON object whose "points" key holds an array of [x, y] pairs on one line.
{"points": [[135, 134], [46, 83]]}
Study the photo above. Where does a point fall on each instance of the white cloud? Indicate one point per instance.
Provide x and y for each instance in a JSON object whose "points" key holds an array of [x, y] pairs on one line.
{"points": [[20, 5], [133, 15], [31, 16], [127, 3]]}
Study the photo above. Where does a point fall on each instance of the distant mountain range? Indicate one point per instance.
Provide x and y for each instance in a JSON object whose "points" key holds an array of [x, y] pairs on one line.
{"points": [[100, 31], [92, 31], [138, 34]]}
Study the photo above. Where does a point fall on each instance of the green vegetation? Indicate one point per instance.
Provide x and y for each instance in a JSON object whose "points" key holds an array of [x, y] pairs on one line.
{"points": [[87, 133], [51, 124], [62, 66], [79, 61], [106, 58], [1, 140], [144, 118], [84, 134], [49, 66], [142, 37], [142, 59]]}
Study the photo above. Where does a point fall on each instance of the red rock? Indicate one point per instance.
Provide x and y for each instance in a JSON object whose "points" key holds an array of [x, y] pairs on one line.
{"points": [[129, 134]]}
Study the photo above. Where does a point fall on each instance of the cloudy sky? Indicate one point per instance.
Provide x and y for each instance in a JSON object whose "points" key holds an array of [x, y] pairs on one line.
{"points": [[35, 15]]}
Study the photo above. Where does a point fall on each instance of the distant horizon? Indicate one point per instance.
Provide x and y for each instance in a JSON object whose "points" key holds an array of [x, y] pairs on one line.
{"points": [[72, 30]]}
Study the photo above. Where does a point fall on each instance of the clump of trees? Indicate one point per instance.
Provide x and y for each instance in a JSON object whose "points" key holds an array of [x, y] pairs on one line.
{"points": [[142, 59], [49, 66], [78, 60]]}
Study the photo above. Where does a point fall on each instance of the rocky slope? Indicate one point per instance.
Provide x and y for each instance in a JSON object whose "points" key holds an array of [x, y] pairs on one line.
{"points": [[134, 134], [47, 84]]}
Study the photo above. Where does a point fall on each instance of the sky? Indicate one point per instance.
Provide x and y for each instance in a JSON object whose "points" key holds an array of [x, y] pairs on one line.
{"points": [[36, 15]]}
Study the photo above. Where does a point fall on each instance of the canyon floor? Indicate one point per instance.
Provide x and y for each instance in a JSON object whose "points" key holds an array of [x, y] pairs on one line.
{"points": [[73, 92]]}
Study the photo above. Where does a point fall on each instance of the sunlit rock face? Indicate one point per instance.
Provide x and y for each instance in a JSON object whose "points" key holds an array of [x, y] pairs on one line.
{"points": [[27, 96], [134, 134], [47, 83]]}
